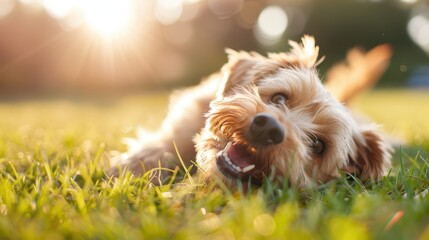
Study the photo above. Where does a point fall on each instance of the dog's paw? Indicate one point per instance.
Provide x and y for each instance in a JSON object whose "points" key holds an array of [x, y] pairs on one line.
{"points": [[154, 162]]}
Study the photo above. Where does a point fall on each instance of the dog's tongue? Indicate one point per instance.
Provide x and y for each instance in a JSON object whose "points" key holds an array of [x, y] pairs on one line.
{"points": [[239, 155]]}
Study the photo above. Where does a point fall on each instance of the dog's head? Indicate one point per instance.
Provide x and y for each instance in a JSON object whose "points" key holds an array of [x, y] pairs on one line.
{"points": [[273, 116]]}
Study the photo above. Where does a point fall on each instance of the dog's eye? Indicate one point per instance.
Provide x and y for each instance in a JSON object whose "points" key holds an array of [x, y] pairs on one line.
{"points": [[318, 146], [278, 99]]}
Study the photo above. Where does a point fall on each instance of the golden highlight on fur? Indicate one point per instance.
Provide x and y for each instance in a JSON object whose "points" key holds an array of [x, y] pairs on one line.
{"points": [[264, 116]]}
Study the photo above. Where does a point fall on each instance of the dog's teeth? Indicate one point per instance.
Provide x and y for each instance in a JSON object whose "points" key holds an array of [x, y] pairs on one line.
{"points": [[226, 157], [230, 163], [248, 168], [228, 146]]}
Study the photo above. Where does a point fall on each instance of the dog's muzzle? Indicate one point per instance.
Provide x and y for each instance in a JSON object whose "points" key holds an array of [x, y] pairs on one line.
{"points": [[238, 161]]}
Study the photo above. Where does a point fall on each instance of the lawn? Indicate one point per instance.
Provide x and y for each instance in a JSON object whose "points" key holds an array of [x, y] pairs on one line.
{"points": [[52, 186]]}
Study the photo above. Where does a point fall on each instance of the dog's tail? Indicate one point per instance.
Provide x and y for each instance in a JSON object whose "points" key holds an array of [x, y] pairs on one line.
{"points": [[358, 72]]}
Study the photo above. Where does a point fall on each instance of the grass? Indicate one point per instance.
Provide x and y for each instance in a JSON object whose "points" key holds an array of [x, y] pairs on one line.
{"points": [[52, 185]]}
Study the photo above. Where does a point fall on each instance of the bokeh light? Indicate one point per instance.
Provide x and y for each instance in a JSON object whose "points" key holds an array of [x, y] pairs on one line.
{"points": [[168, 11], [225, 8], [271, 25], [6, 6], [418, 27], [191, 10]]}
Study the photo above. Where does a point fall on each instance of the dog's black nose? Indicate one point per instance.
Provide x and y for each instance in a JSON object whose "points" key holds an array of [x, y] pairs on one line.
{"points": [[265, 130]]}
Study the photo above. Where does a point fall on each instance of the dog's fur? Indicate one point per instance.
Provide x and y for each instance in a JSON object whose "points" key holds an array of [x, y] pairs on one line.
{"points": [[226, 122]]}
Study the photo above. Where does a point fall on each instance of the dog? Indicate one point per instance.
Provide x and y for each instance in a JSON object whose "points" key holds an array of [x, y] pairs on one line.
{"points": [[270, 116]]}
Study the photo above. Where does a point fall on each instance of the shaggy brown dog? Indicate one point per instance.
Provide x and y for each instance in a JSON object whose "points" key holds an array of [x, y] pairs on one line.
{"points": [[271, 116]]}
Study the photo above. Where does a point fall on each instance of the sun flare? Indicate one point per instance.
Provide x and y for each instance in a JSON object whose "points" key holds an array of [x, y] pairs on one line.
{"points": [[107, 17]]}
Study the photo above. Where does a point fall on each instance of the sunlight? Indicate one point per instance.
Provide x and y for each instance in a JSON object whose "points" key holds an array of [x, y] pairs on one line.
{"points": [[107, 17], [58, 9]]}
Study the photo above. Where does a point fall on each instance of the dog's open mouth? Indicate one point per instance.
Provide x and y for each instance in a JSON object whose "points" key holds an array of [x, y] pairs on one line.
{"points": [[234, 161]]}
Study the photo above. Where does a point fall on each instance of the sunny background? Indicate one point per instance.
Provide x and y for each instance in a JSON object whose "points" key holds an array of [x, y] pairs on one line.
{"points": [[103, 46], [78, 76]]}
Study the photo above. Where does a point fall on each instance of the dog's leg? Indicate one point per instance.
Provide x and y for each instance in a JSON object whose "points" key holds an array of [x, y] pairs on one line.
{"points": [[185, 118]]}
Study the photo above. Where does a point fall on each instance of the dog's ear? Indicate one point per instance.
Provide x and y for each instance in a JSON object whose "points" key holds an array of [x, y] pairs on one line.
{"points": [[243, 68], [371, 159]]}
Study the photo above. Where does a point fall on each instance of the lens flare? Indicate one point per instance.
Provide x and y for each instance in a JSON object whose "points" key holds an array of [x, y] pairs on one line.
{"points": [[107, 17]]}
